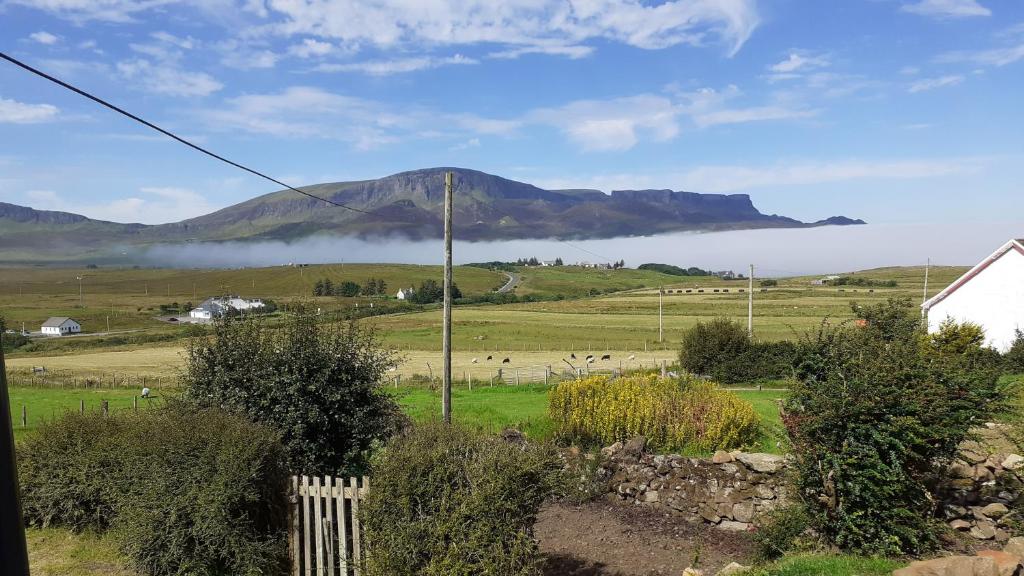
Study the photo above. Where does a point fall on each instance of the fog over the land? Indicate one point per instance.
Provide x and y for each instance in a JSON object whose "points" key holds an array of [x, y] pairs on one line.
{"points": [[777, 252]]}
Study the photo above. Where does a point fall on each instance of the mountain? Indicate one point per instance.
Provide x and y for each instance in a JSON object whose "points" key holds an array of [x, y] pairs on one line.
{"points": [[410, 204]]}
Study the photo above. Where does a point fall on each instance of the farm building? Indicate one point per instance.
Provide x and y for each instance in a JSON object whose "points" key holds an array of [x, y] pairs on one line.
{"points": [[216, 307], [404, 293], [61, 325], [991, 295]]}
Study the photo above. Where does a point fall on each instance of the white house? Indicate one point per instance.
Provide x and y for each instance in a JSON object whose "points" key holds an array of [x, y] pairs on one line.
{"points": [[991, 295], [404, 293], [61, 325], [216, 307]]}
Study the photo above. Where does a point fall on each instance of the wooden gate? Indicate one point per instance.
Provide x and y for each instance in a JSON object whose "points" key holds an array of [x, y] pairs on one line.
{"points": [[326, 538]]}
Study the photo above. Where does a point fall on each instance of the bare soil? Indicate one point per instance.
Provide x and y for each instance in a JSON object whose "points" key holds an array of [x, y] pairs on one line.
{"points": [[605, 539]]}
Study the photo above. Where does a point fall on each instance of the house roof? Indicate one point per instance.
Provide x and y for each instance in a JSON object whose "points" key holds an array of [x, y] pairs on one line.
{"points": [[1016, 244], [56, 321]]}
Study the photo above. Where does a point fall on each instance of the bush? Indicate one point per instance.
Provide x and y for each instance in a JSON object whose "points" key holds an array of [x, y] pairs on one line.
{"points": [[317, 384], [183, 491], [873, 421], [446, 501], [779, 531], [1014, 357], [769, 282], [687, 414], [723, 351]]}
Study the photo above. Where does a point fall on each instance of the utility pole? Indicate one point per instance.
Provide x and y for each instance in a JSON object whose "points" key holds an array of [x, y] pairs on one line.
{"points": [[661, 307], [924, 295], [81, 302], [12, 523], [750, 303], [446, 338]]}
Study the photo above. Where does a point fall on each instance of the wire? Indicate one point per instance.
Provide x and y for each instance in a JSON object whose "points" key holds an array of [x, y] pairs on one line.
{"points": [[169, 134]]}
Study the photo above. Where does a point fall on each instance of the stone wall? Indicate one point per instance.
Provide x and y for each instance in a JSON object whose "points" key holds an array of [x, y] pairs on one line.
{"points": [[728, 490], [731, 488]]}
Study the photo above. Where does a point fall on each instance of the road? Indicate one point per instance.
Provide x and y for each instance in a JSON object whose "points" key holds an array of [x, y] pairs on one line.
{"points": [[513, 280]]}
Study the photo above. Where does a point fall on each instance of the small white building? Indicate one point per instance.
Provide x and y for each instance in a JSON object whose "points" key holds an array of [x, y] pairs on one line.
{"points": [[404, 293], [216, 307], [990, 295], [61, 325]]}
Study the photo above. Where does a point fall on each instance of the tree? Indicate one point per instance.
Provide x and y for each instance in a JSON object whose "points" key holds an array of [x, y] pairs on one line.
{"points": [[382, 287], [317, 384], [1014, 358], [318, 288], [558, 262], [328, 287], [347, 289]]}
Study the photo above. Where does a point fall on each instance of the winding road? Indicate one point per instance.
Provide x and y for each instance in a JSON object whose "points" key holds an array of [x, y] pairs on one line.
{"points": [[513, 281]]}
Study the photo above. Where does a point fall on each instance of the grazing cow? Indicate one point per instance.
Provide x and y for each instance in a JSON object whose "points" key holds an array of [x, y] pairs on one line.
{"points": [[474, 360], [489, 357], [631, 357], [590, 357], [572, 355], [606, 357], [506, 361]]}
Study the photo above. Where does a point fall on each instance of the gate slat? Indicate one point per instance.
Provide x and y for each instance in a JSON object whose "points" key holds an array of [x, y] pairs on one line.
{"points": [[357, 554], [305, 525], [319, 527], [329, 524], [342, 527], [294, 507]]}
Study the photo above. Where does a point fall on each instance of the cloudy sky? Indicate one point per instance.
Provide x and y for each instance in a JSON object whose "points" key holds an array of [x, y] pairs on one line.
{"points": [[896, 111]]}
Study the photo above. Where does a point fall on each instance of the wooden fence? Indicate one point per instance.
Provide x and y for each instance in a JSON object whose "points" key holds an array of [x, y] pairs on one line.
{"points": [[326, 538]]}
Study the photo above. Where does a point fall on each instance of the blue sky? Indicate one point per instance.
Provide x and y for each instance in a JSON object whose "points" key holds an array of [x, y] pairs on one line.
{"points": [[896, 111]]}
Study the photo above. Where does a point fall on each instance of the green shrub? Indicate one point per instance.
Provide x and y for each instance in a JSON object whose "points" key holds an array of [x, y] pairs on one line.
{"points": [[674, 415], [182, 491], [318, 384], [779, 531], [723, 351], [872, 422], [1014, 357], [449, 502]]}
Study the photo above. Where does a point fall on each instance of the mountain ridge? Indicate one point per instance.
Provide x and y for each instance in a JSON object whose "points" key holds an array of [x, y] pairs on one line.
{"points": [[410, 204]]}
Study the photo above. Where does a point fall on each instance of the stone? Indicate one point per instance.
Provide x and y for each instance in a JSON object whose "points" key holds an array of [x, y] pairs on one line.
{"points": [[611, 450], [732, 568], [983, 531], [764, 492], [951, 566], [1001, 535], [1006, 564], [982, 473], [758, 462], [973, 456], [743, 512], [731, 526], [651, 496], [960, 525], [634, 446], [692, 572], [961, 469], [708, 513], [1015, 546], [1013, 462], [995, 510], [721, 457], [730, 468]]}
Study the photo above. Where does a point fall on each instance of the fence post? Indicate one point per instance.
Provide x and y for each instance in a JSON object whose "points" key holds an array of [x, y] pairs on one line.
{"points": [[664, 370], [517, 376], [81, 406], [293, 512], [305, 524], [470, 381], [135, 403], [106, 407], [328, 522], [24, 416], [357, 554]]}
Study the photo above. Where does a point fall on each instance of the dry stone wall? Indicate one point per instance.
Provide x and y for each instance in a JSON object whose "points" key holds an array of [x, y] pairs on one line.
{"points": [[981, 493]]}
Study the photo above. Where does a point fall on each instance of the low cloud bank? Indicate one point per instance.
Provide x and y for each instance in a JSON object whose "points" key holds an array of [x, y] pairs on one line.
{"points": [[779, 252]]}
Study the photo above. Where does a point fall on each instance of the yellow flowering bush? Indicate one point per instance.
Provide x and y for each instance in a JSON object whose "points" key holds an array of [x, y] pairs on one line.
{"points": [[674, 414]]}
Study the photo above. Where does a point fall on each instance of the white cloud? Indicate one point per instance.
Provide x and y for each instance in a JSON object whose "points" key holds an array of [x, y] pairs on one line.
{"points": [[608, 125], [947, 8], [933, 83], [310, 47], [43, 37], [154, 205], [170, 81], [398, 66], [573, 52], [520, 23], [14, 112], [753, 114], [103, 10], [993, 57], [797, 61]]}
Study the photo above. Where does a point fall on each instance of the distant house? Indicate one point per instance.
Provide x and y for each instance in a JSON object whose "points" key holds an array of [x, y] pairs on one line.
{"points": [[825, 280], [216, 307], [548, 263], [990, 295], [404, 293], [61, 325]]}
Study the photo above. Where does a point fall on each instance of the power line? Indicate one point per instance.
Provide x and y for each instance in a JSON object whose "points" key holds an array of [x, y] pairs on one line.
{"points": [[169, 134]]}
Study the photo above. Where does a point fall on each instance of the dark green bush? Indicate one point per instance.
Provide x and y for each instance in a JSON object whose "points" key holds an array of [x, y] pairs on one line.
{"points": [[779, 531], [1014, 357], [183, 491], [876, 415], [447, 501], [723, 351], [318, 384]]}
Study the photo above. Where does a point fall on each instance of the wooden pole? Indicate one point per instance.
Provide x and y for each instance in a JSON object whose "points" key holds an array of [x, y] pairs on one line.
{"points": [[661, 333], [750, 304], [12, 524], [446, 339]]}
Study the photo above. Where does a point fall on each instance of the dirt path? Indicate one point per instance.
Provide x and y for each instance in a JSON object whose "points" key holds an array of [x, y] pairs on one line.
{"points": [[600, 539]]}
